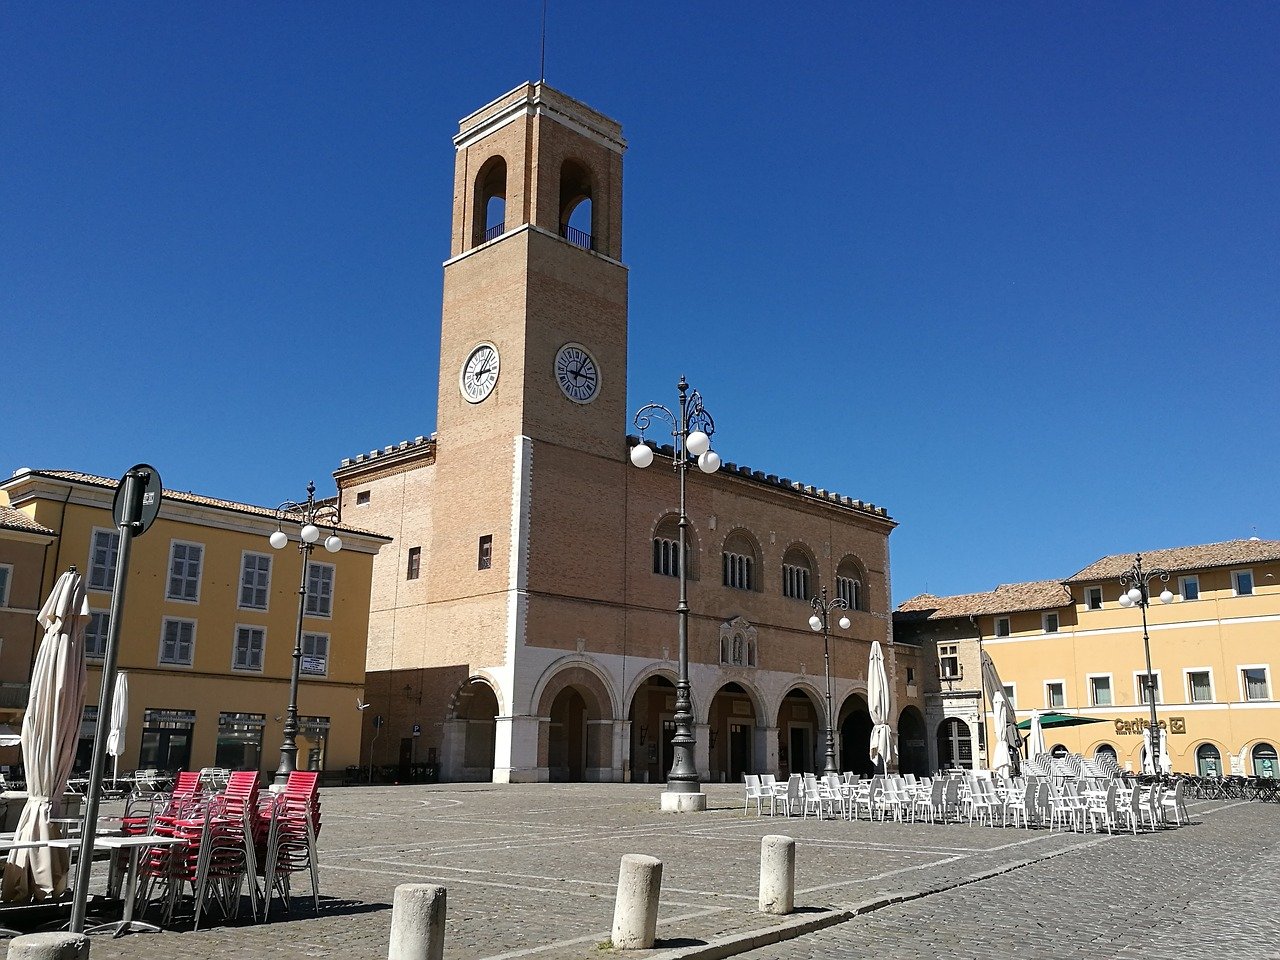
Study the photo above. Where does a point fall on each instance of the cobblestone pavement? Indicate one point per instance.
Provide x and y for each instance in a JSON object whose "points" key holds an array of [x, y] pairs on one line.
{"points": [[1210, 890], [531, 872]]}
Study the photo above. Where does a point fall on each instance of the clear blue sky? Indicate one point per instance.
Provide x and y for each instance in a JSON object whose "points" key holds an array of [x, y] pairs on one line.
{"points": [[1011, 270]]}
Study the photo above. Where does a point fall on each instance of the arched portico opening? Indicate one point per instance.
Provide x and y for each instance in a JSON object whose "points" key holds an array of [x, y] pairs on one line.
{"points": [[576, 740], [653, 724], [731, 725], [802, 733], [855, 737], [470, 732], [478, 709], [913, 752]]}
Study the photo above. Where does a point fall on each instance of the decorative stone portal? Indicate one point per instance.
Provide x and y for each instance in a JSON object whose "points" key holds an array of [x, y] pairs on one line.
{"points": [[731, 732], [567, 743], [653, 725], [913, 751], [855, 737]]}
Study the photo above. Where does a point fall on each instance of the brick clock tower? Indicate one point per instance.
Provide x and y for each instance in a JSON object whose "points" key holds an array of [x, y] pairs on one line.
{"points": [[511, 571], [521, 621]]}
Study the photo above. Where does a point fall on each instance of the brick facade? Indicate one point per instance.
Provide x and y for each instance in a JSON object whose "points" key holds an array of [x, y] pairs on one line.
{"points": [[555, 662]]}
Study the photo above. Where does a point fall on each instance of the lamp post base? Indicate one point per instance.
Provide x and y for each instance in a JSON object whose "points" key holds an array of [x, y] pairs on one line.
{"points": [[673, 802]]}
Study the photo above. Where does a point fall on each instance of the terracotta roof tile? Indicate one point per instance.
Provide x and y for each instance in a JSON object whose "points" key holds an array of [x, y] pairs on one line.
{"points": [[12, 519], [1173, 559], [1006, 598], [188, 497]]}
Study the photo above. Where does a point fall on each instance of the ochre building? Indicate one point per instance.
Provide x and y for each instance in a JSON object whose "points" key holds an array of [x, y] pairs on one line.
{"points": [[209, 627], [522, 624], [1069, 646]]}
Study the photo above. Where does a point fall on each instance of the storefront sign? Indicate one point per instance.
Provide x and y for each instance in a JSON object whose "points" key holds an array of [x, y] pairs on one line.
{"points": [[1128, 728]]}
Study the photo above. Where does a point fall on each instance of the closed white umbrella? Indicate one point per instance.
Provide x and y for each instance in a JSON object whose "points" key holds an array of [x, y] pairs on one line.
{"points": [[1035, 736], [882, 738], [1007, 737], [1148, 764], [50, 730], [1166, 758], [119, 721]]}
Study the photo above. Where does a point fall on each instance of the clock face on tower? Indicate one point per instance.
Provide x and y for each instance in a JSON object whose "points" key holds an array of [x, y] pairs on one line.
{"points": [[479, 373], [577, 373]]}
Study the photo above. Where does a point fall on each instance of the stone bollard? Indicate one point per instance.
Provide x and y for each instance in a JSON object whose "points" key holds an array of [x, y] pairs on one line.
{"points": [[635, 912], [777, 874], [417, 922], [49, 946]]}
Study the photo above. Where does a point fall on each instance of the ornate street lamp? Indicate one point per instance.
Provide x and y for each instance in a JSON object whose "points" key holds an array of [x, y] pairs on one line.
{"points": [[310, 516], [821, 615], [1139, 594], [692, 428]]}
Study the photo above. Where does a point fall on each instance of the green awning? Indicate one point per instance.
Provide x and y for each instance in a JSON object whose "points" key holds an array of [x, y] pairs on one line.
{"points": [[1051, 720]]}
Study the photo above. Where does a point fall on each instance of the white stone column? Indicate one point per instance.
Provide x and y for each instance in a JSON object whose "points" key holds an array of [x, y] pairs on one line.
{"points": [[453, 750], [515, 754], [621, 751], [702, 750], [767, 749], [601, 745]]}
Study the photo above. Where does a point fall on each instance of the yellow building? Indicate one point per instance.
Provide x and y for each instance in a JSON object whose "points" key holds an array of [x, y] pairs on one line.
{"points": [[1070, 646], [209, 625], [23, 547]]}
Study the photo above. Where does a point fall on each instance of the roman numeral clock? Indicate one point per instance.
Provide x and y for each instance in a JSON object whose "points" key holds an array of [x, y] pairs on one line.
{"points": [[479, 373], [577, 373]]}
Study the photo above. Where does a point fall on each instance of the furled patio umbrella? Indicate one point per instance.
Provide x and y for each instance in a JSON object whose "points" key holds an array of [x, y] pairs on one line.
{"points": [[50, 730], [119, 721], [882, 746], [1005, 758], [1035, 739], [1166, 761]]}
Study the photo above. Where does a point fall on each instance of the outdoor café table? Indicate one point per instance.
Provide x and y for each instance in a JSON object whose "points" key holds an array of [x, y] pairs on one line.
{"points": [[135, 845]]}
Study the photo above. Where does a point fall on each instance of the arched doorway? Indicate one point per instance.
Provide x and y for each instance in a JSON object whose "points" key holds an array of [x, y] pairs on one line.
{"points": [[653, 725], [1208, 760], [913, 753], [731, 727], [477, 709], [802, 734], [855, 737], [577, 743], [1264, 760], [955, 744], [1105, 757], [567, 743]]}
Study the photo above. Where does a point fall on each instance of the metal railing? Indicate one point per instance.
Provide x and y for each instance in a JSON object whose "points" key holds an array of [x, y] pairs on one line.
{"points": [[579, 238], [495, 231]]}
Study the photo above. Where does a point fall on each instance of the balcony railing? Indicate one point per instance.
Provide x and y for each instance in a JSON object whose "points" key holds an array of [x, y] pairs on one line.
{"points": [[13, 696], [579, 238], [494, 231]]}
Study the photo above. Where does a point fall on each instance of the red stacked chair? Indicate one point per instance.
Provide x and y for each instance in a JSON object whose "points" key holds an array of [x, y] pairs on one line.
{"points": [[229, 848], [218, 853], [291, 836]]}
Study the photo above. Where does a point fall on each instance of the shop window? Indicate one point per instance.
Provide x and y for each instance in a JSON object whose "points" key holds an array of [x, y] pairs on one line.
{"points": [[240, 741]]}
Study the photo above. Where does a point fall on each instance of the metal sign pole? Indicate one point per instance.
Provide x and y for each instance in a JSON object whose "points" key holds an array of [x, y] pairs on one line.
{"points": [[136, 506]]}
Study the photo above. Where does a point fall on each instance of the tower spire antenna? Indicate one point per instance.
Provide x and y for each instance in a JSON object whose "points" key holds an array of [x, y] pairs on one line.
{"points": [[542, 65]]}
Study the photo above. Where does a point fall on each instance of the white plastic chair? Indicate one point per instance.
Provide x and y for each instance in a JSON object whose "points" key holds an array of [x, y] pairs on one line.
{"points": [[754, 792], [1176, 804], [1103, 810]]}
